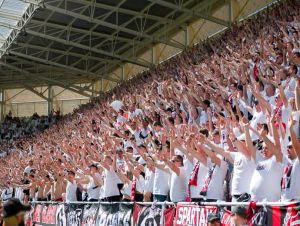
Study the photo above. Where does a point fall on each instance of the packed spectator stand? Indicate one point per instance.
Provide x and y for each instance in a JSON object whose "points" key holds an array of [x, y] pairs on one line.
{"points": [[15, 130], [218, 122]]}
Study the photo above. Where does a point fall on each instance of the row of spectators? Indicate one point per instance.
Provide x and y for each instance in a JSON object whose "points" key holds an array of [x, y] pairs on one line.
{"points": [[16, 128], [218, 122]]}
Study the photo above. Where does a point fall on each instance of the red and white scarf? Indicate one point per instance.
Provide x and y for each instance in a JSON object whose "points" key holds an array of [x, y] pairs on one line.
{"points": [[193, 180], [207, 180], [133, 190], [285, 181]]}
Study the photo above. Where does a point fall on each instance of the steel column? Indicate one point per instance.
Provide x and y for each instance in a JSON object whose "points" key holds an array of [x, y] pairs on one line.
{"points": [[50, 99]]}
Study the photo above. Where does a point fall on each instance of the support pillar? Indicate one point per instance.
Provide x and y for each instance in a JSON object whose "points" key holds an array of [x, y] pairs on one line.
{"points": [[122, 73], [93, 90], [186, 36], [50, 99], [230, 12], [2, 104], [102, 85]]}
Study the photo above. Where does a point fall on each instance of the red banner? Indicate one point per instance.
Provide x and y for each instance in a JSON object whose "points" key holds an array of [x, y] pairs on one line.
{"points": [[192, 215]]}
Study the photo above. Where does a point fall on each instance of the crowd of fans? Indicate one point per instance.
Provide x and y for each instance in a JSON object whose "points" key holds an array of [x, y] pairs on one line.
{"points": [[218, 122], [14, 129]]}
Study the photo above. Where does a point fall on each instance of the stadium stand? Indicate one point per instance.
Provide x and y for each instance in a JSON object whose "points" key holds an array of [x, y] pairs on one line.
{"points": [[219, 122]]}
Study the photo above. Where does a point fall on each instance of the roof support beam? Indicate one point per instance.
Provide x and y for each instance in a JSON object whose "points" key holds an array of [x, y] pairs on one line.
{"points": [[27, 46], [201, 6], [89, 48], [15, 32], [58, 51], [110, 25], [10, 26], [192, 12], [76, 70], [70, 29], [122, 10], [28, 87], [71, 87]]}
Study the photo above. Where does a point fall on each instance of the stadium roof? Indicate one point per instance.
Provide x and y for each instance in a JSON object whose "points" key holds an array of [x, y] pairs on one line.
{"points": [[64, 42]]}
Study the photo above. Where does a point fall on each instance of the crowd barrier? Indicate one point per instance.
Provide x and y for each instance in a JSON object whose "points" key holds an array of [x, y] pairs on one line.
{"points": [[157, 214]]}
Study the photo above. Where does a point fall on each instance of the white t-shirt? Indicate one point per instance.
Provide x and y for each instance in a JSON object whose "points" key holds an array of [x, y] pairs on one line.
{"points": [[7, 193], [117, 105], [149, 180], [92, 190], [202, 173], [19, 193], [178, 186], [243, 169], [291, 189], [137, 112], [28, 169], [71, 192], [110, 186], [188, 166], [160, 183], [203, 117], [258, 117], [271, 100], [126, 190], [215, 188], [266, 181], [286, 113], [140, 184]]}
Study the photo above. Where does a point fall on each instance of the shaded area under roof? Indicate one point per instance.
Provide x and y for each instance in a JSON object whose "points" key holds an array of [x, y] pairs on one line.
{"points": [[73, 41]]}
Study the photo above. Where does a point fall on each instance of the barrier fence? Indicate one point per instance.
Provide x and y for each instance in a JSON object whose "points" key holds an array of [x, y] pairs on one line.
{"points": [[158, 214]]}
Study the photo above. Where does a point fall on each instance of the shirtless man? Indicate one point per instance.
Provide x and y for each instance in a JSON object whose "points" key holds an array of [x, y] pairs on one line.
{"points": [[47, 189], [58, 188]]}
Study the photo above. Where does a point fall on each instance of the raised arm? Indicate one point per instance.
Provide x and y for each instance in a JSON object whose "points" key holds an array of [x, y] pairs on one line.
{"points": [[295, 141], [214, 158], [277, 150], [249, 144], [219, 150]]}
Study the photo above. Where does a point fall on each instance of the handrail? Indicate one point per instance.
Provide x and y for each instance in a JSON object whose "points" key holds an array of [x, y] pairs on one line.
{"points": [[173, 203]]}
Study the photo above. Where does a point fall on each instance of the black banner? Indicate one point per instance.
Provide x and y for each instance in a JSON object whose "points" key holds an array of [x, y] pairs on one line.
{"points": [[114, 214], [89, 214], [153, 215], [74, 214]]}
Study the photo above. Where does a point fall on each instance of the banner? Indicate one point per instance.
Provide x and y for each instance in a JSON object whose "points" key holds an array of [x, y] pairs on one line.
{"points": [[89, 214], [46, 215], [192, 215], [127, 214], [74, 213], [114, 214], [288, 215], [154, 215], [61, 219]]}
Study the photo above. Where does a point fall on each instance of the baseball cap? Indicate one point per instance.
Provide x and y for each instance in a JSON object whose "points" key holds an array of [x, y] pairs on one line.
{"points": [[213, 217], [239, 210], [13, 207]]}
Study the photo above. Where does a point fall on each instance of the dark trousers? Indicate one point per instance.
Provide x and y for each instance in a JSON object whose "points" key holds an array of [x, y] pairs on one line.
{"points": [[197, 200], [139, 197], [160, 198], [112, 199], [210, 200]]}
